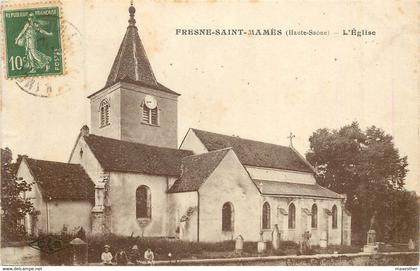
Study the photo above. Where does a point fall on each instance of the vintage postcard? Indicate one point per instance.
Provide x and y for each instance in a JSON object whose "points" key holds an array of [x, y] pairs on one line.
{"points": [[209, 133]]}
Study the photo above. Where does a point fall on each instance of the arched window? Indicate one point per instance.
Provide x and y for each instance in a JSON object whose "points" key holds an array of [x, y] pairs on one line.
{"points": [[292, 216], [227, 217], [334, 217], [143, 202], [314, 220], [266, 216], [104, 111]]}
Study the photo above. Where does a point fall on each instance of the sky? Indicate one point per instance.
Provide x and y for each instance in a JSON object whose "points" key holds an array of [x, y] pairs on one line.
{"points": [[256, 87]]}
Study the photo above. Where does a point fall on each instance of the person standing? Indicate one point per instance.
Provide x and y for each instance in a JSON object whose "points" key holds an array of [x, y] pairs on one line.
{"points": [[106, 256]]}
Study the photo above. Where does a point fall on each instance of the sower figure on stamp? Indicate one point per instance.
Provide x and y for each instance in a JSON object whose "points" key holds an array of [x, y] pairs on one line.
{"points": [[27, 38]]}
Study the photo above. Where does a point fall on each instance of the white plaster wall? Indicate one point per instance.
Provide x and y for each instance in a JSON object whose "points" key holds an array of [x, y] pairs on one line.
{"points": [[271, 174], [229, 183], [303, 222], [192, 143], [73, 214], [132, 127], [36, 199], [122, 196], [54, 214], [178, 206], [87, 160], [113, 95]]}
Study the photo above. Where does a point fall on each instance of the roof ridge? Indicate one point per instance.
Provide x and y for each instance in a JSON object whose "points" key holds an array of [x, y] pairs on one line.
{"points": [[50, 161]]}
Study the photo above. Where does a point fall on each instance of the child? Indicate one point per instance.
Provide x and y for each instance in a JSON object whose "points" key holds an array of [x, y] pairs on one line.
{"points": [[149, 256], [106, 256]]}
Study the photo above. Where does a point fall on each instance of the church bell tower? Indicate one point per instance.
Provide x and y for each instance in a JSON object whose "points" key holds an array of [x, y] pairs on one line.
{"points": [[133, 105]]}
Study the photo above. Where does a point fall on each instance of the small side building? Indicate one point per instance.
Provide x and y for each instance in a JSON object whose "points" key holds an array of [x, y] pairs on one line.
{"points": [[62, 195]]}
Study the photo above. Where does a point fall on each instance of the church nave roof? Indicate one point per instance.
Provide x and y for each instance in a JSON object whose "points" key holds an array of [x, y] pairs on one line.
{"points": [[124, 156], [255, 153]]}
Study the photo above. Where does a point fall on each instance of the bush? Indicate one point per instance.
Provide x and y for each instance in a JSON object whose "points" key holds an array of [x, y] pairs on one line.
{"points": [[61, 254], [160, 246]]}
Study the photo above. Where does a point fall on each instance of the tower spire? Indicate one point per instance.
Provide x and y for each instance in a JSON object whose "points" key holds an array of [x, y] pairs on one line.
{"points": [[131, 62]]}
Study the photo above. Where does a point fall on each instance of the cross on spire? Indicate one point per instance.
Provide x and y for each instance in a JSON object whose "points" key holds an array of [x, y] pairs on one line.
{"points": [[132, 10], [290, 137]]}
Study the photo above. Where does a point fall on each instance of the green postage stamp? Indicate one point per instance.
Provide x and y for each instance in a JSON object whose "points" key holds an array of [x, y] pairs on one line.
{"points": [[33, 42]]}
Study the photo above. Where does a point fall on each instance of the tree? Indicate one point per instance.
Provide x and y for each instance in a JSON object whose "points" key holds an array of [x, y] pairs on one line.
{"points": [[14, 206], [367, 167]]}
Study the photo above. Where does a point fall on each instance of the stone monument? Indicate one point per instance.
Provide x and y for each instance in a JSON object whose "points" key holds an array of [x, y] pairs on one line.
{"points": [[239, 244], [411, 245], [305, 245], [275, 241], [323, 241], [261, 245], [371, 246], [79, 252]]}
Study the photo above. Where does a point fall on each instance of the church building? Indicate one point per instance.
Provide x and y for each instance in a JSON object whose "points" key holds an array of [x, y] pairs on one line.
{"points": [[127, 175]]}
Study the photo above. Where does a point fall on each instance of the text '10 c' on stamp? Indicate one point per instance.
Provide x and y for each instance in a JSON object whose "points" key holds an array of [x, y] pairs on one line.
{"points": [[33, 42]]}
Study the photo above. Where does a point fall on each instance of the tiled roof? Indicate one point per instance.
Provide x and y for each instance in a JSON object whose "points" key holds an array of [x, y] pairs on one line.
{"points": [[131, 60], [196, 169], [131, 63], [124, 156], [255, 153], [294, 189], [62, 180]]}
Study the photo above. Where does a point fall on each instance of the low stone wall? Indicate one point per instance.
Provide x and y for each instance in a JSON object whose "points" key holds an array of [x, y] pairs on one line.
{"points": [[20, 255], [25, 255], [356, 259]]}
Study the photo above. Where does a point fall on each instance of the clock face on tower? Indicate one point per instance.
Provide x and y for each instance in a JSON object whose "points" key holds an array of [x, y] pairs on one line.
{"points": [[150, 102]]}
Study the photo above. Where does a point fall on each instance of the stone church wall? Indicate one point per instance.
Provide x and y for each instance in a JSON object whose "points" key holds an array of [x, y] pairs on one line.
{"points": [[192, 143], [122, 198], [181, 224], [280, 205], [132, 127], [113, 96], [87, 160], [229, 183]]}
